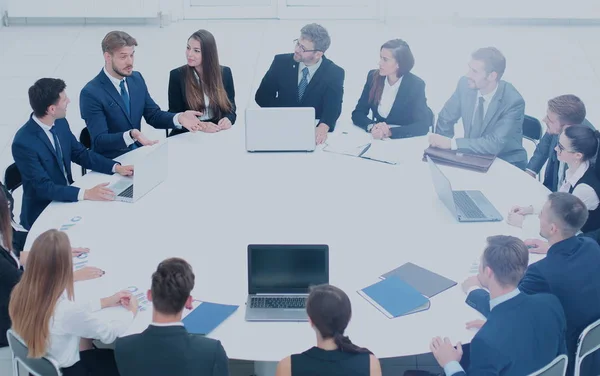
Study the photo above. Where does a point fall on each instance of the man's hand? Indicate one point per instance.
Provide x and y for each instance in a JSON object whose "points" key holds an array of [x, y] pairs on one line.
{"points": [[537, 246], [99, 193], [89, 272], [439, 141], [322, 130], [208, 127], [444, 352], [124, 170], [523, 210], [189, 120], [475, 324], [224, 124], [139, 137], [470, 282], [78, 251]]}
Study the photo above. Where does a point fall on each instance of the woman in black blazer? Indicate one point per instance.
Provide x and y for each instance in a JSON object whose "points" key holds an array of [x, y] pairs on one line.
{"points": [[395, 97], [203, 85]]}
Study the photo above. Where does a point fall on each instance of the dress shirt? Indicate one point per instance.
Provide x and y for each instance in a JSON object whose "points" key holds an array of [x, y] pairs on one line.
{"points": [[46, 129], [162, 324], [486, 104], [207, 113], [311, 70], [388, 96], [72, 321], [583, 191]]}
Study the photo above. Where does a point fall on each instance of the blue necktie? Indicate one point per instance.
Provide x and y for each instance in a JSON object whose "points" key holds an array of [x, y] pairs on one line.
{"points": [[303, 84], [125, 97], [58, 151]]}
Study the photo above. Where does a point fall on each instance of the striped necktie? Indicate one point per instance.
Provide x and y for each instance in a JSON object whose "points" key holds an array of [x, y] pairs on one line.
{"points": [[303, 84]]}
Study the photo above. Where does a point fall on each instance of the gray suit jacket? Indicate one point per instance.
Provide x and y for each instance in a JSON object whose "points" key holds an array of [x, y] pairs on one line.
{"points": [[502, 131]]}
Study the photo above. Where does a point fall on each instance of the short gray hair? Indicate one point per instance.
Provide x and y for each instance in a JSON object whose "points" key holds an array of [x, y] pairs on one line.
{"points": [[318, 35]]}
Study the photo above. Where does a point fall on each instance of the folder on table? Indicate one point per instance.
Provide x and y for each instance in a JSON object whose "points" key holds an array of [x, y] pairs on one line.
{"points": [[454, 158], [394, 297], [425, 281], [207, 316]]}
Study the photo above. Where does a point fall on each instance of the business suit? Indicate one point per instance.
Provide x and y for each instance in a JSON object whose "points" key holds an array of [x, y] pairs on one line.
{"points": [[571, 271], [544, 151], [325, 91], [106, 117], [409, 110], [170, 350], [502, 130], [43, 178], [10, 275]]}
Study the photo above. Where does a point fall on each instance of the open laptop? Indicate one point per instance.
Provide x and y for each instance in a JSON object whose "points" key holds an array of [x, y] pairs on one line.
{"points": [[149, 172], [466, 206], [280, 129], [279, 279]]}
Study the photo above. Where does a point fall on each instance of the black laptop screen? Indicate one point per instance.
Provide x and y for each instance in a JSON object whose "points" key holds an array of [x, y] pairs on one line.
{"points": [[286, 268]]}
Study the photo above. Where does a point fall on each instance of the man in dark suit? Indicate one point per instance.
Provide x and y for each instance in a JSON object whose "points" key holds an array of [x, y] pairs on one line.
{"points": [[113, 103], [570, 270], [44, 148], [523, 333], [306, 78], [492, 112], [563, 111], [165, 347]]}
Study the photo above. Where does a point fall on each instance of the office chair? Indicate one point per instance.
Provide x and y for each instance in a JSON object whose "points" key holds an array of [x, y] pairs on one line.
{"points": [[532, 129], [12, 178], [557, 367], [589, 341], [44, 366], [86, 140]]}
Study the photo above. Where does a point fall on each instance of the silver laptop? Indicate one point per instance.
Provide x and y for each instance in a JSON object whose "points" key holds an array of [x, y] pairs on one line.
{"points": [[466, 206], [280, 129], [279, 279], [149, 172]]}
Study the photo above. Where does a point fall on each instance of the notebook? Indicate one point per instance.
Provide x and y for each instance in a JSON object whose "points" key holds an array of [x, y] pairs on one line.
{"points": [[207, 316], [394, 297], [473, 162], [424, 281]]}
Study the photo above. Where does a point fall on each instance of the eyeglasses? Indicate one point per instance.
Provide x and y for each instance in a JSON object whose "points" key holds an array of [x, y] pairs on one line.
{"points": [[302, 48]]}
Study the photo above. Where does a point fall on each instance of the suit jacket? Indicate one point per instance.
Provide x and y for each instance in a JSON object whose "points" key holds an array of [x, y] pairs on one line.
{"points": [[43, 179], [502, 132], [571, 271], [544, 151], [104, 112], [170, 350], [279, 88], [10, 275], [409, 110], [178, 100]]}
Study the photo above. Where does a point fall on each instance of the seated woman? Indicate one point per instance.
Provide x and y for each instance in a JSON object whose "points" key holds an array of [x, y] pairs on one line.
{"points": [[395, 96], [329, 312], [45, 316], [203, 85]]}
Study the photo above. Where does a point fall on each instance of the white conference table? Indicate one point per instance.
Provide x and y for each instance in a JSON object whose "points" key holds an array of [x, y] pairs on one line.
{"points": [[374, 216]]}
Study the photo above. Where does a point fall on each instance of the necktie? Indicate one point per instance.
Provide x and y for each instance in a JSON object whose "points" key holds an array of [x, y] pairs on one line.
{"points": [[125, 97], [58, 150], [303, 84], [477, 122]]}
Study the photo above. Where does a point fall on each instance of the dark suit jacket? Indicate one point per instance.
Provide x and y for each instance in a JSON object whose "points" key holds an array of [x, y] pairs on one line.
{"points": [[10, 275], [409, 110], [104, 112], [571, 271], [177, 98], [43, 179], [170, 350], [279, 88]]}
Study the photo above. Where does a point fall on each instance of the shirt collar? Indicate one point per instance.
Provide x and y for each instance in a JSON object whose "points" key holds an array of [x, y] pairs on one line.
{"points": [[489, 96], [503, 298], [395, 86], [163, 324], [312, 68], [39, 122], [572, 177], [115, 81]]}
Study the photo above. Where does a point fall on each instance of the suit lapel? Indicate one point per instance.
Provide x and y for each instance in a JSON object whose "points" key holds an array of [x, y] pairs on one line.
{"points": [[401, 97], [115, 95], [493, 107], [134, 98], [46, 141], [292, 77], [315, 80]]}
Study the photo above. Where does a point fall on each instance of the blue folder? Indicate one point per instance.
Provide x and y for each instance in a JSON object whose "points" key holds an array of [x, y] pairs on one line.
{"points": [[207, 316], [394, 297]]}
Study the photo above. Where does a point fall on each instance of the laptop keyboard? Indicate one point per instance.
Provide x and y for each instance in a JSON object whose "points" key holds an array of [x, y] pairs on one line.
{"points": [[278, 302], [128, 193], [466, 205]]}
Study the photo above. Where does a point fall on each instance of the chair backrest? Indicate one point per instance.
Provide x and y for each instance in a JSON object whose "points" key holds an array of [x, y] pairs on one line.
{"points": [[557, 367], [532, 128], [12, 178], [43, 366], [85, 138], [589, 341]]}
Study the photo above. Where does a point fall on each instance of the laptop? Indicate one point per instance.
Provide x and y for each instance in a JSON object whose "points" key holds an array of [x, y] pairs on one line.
{"points": [[466, 206], [149, 172], [280, 277], [280, 129]]}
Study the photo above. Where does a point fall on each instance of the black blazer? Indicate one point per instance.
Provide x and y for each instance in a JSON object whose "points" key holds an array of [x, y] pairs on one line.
{"points": [[170, 350], [409, 110], [10, 275], [325, 91], [177, 98]]}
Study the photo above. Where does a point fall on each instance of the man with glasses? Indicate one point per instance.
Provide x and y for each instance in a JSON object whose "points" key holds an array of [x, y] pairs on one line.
{"points": [[306, 78]]}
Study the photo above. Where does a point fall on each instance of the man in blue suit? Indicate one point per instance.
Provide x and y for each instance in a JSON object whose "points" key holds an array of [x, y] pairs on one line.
{"points": [[570, 270], [114, 102], [523, 333], [44, 148]]}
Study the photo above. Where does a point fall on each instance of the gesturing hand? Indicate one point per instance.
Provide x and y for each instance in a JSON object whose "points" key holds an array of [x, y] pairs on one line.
{"points": [[444, 352]]}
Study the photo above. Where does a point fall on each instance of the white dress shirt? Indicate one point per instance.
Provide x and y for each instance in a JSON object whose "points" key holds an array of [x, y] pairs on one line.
{"points": [[175, 323], [583, 191], [486, 104], [312, 69], [207, 114], [72, 321], [388, 96]]}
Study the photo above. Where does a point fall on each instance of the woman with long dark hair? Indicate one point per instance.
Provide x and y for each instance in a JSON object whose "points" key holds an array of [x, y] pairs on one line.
{"points": [[203, 85], [329, 312]]}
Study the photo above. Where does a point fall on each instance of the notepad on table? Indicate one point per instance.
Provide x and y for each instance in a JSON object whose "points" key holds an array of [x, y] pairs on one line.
{"points": [[425, 281], [394, 297], [207, 316]]}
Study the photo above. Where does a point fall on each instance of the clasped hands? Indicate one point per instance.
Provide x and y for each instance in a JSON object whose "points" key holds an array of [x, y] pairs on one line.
{"points": [[189, 120]]}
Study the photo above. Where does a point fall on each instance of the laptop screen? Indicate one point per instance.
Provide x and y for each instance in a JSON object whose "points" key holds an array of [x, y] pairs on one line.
{"points": [[286, 269], [442, 186]]}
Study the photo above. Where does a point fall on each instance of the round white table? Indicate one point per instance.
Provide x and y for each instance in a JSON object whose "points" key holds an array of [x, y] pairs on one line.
{"points": [[218, 199]]}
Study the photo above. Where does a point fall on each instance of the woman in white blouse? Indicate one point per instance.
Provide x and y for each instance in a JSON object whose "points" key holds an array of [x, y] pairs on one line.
{"points": [[45, 316]]}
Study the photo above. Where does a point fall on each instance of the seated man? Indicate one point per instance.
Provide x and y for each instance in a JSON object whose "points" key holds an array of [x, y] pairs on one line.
{"points": [[306, 78], [570, 270], [43, 150], [113, 103], [523, 332], [563, 111], [492, 112], [165, 347]]}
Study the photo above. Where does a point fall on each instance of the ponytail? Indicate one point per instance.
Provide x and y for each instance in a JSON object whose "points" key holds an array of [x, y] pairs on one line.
{"points": [[345, 345]]}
